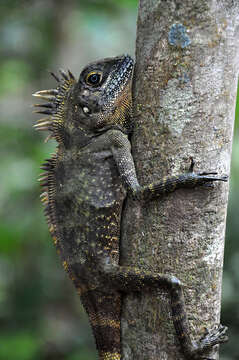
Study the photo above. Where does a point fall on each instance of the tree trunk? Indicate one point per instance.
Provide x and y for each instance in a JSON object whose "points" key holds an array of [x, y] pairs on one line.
{"points": [[184, 100]]}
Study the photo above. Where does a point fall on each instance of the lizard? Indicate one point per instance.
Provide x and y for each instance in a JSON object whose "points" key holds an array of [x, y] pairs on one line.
{"points": [[85, 184]]}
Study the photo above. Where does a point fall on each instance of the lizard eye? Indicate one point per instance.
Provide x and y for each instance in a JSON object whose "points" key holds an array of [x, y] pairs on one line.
{"points": [[94, 78]]}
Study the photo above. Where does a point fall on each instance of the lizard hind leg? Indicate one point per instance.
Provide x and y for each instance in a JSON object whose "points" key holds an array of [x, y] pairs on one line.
{"points": [[192, 349], [128, 279]]}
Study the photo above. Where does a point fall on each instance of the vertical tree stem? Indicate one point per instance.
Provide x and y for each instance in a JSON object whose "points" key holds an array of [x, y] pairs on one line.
{"points": [[184, 100]]}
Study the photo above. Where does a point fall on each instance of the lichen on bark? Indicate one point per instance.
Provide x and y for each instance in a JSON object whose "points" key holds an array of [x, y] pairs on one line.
{"points": [[184, 99]]}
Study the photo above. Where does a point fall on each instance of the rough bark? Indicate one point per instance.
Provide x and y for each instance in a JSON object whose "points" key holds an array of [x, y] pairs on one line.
{"points": [[184, 100]]}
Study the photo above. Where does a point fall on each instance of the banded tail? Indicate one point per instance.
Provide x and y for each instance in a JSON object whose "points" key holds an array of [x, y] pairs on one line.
{"points": [[104, 312]]}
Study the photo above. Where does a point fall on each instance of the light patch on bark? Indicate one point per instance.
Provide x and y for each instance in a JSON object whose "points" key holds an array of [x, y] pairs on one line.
{"points": [[177, 106]]}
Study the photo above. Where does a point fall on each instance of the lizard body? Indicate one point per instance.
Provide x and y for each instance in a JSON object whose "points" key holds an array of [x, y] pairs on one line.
{"points": [[85, 185]]}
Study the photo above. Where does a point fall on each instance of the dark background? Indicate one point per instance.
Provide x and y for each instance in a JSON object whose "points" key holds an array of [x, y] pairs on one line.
{"points": [[40, 315]]}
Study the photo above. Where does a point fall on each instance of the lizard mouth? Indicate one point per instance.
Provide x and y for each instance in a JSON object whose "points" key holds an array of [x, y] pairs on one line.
{"points": [[121, 76]]}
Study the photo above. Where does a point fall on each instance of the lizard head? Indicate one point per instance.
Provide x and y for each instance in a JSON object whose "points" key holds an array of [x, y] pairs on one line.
{"points": [[99, 100], [102, 96]]}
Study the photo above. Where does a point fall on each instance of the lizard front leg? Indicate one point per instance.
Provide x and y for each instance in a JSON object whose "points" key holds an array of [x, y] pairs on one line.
{"points": [[120, 146], [187, 180]]}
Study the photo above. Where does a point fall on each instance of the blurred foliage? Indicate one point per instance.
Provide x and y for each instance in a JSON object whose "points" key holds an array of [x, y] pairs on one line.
{"points": [[40, 315]]}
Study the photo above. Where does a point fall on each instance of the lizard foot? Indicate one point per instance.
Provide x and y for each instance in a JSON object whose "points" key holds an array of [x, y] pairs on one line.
{"points": [[214, 337], [210, 338], [207, 177]]}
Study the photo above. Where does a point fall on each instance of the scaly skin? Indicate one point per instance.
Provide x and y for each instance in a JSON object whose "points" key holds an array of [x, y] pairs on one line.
{"points": [[85, 185]]}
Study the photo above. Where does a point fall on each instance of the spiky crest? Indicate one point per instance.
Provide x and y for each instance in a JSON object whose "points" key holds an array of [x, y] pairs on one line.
{"points": [[54, 106], [53, 122]]}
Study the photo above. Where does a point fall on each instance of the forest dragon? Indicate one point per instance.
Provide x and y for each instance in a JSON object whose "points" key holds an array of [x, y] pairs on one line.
{"points": [[85, 184]]}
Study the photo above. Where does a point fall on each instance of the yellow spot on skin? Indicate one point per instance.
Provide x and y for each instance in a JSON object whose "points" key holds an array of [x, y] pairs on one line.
{"points": [[151, 188], [79, 291], [114, 251], [181, 335], [109, 356], [65, 265], [106, 322], [72, 277], [54, 240]]}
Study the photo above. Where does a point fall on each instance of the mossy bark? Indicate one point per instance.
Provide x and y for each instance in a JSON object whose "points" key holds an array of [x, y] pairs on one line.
{"points": [[184, 99]]}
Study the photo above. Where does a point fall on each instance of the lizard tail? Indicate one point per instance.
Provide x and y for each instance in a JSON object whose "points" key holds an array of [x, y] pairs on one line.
{"points": [[104, 314]]}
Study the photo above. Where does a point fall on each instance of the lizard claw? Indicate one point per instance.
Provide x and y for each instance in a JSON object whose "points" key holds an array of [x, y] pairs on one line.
{"points": [[211, 176], [215, 336], [207, 175], [191, 165]]}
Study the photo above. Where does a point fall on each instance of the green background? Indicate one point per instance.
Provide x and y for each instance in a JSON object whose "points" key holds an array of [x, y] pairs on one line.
{"points": [[40, 315]]}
